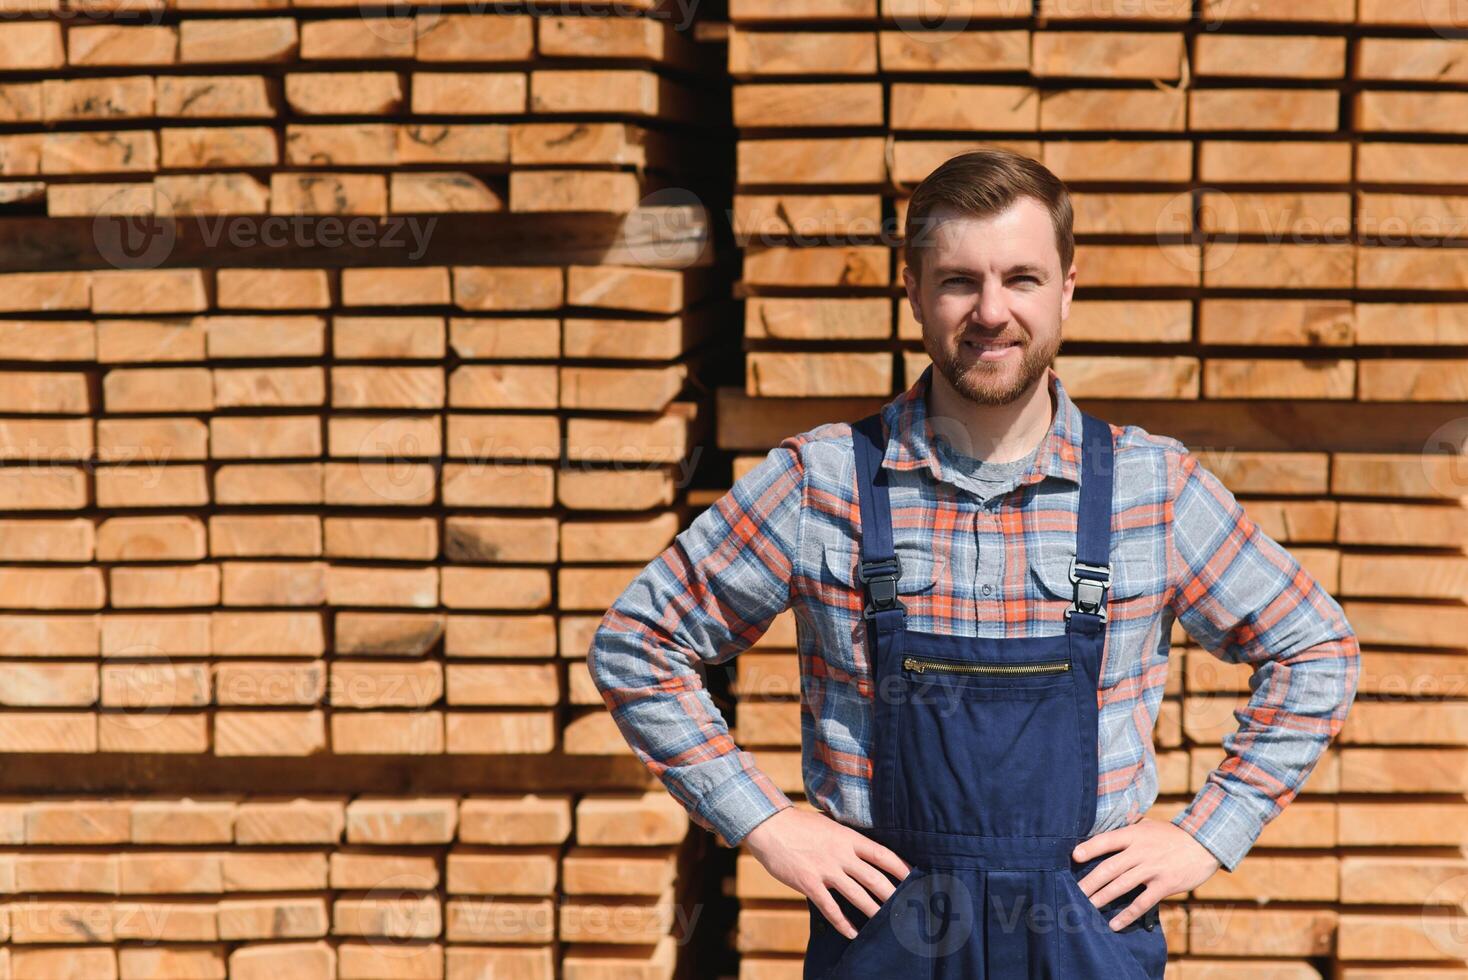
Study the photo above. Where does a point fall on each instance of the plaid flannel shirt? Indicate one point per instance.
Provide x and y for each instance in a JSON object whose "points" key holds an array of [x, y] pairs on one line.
{"points": [[785, 536]]}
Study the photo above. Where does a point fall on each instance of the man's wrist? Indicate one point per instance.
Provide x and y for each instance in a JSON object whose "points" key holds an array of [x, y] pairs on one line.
{"points": [[741, 803], [1227, 849]]}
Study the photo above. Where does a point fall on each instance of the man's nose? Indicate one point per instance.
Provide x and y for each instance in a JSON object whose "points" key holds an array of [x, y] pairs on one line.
{"points": [[992, 309]]}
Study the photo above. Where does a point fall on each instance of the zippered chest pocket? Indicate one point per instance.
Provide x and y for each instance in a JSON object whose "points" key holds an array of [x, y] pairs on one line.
{"points": [[983, 668], [985, 678], [987, 746]]}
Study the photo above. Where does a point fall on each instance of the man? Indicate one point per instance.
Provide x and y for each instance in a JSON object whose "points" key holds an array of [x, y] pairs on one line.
{"points": [[1035, 558]]}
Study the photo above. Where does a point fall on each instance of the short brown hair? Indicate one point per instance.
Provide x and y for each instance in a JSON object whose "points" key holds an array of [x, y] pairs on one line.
{"points": [[981, 183]]}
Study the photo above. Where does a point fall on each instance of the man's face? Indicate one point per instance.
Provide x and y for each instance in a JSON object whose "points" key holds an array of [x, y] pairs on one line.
{"points": [[991, 299]]}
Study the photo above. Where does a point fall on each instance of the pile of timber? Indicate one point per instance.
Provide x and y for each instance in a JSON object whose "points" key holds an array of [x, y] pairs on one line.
{"points": [[344, 888], [321, 531], [632, 885], [274, 551], [223, 107], [353, 361], [1269, 209]]}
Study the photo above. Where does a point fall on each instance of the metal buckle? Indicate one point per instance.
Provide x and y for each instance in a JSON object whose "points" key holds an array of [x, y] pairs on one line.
{"points": [[880, 578], [1090, 592]]}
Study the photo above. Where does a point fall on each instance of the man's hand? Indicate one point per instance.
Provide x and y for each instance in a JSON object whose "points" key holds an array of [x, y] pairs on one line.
{"points": [[811, 853], [1162, 854]]}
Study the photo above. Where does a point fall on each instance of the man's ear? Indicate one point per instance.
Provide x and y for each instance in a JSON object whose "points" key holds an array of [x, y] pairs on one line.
{"points": [[910, 281], [1067, 291]]}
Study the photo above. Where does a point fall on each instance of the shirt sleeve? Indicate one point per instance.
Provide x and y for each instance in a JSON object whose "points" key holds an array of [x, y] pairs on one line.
{"points": [[711, 594], [1246, 599]]}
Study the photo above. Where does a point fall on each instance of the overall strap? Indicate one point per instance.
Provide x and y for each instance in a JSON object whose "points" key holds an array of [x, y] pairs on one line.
{"points": [[879, 568], [1090, 572]]}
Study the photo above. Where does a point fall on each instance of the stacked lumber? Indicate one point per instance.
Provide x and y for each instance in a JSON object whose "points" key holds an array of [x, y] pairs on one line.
{"points": [[240, 887], [631, 442], [631, 885], [249, 108], [287, 549], [310, 514], [343, 888], [277, 552], [1269, 203], [257, 885], [500, 883], [356, 359]]}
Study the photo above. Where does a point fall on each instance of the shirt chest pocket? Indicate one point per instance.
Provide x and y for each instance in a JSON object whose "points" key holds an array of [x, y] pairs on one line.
{"points": [[920, 570], [1135, 570]]}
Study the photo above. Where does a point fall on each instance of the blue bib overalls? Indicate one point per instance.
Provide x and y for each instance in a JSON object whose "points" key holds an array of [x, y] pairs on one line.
{"points": [[984, 777]]}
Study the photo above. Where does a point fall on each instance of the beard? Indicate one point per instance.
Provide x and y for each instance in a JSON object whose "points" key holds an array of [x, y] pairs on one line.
{"points": [[992, 383]]}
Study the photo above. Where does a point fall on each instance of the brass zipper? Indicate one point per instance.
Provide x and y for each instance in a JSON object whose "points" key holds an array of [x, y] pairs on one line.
{"points": [[922, 664]]}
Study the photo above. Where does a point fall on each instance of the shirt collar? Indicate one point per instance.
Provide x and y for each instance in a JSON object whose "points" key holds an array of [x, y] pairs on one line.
{"points": [[912, 432]]}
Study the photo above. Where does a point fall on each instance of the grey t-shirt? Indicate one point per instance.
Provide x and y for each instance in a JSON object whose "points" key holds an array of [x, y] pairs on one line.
{"points": [[983, 478]]}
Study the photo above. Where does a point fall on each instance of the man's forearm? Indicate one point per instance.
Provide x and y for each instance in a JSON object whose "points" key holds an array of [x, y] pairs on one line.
{"points": [[1297, 706], [661, 706], [1247, 600], [706, 598]]}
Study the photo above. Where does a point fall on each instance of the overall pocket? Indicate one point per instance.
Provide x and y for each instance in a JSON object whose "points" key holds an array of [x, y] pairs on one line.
{"points": [[987, 747], [879, 948], [1142, 941]]}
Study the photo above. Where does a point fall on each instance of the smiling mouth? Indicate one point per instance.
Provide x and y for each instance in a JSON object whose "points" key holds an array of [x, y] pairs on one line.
{"points": [[992, 350]]}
